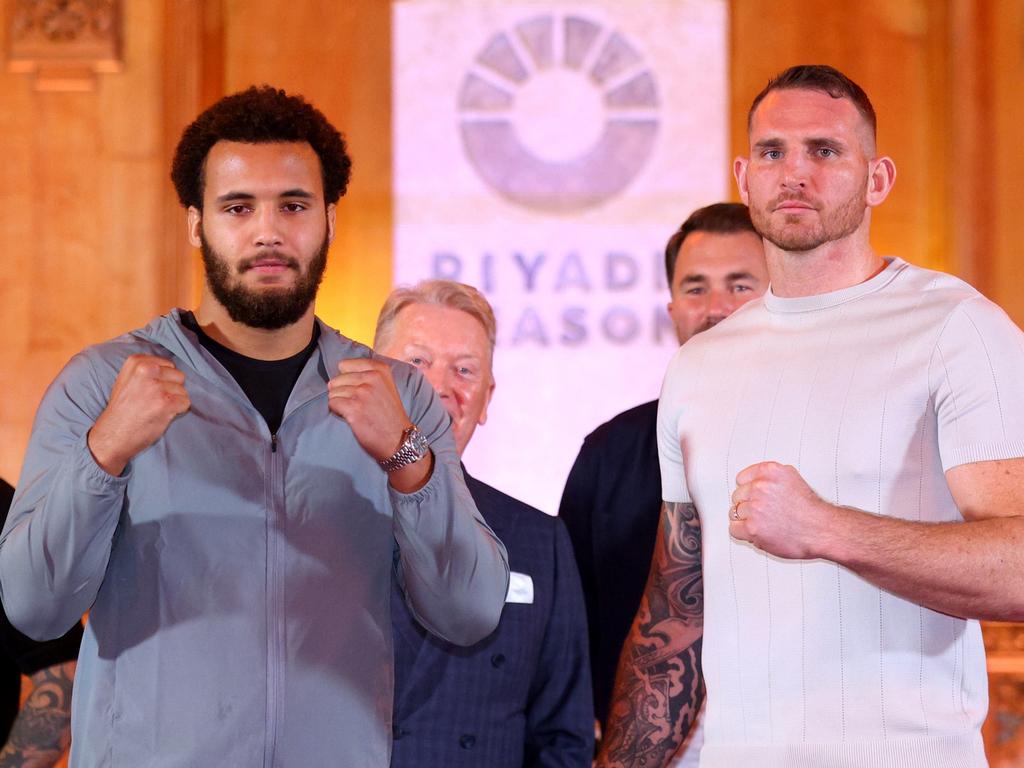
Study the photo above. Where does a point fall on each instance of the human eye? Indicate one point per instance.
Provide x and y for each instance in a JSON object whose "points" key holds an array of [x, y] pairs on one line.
{"points": [[826, 152], [694, 290], [293, 207], [772, 154], [418, 361], [237, 209], [741, 288]]}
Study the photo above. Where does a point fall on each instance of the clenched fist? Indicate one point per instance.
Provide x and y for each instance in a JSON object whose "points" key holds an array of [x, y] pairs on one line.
{"points": [[149, 392], [364, 394], [775, 510]]}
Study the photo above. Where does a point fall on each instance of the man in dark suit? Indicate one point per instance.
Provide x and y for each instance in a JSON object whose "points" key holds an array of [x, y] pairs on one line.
{"points": [[714, 264], [522, 696]]}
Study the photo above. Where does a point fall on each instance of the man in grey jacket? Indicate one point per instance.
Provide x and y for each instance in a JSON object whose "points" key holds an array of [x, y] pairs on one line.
{"points": [[228, 492]]}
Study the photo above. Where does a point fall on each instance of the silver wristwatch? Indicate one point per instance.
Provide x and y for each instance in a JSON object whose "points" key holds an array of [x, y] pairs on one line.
{"points": [[414, 446]]}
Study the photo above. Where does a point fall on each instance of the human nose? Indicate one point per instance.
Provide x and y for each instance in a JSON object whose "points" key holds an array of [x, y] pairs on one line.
{"points": [[440, 380], [719, 305], [268, 230], [794, 171]]}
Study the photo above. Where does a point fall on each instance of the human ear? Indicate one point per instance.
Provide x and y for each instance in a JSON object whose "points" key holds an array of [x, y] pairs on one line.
{"points": [[881, 177]]}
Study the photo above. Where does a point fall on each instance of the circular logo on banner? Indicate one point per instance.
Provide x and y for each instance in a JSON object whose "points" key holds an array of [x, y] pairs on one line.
{"points": [[558, 114]]}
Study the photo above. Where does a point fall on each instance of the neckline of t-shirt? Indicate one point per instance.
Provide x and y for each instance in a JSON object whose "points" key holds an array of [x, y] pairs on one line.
{"points": [[223, 353], [773, 303]]}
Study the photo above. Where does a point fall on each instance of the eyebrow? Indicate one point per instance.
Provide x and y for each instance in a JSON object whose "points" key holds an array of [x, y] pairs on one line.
{"points": [[740, 276], [813, 142], [731, 277], [233, 195], [417, 346], [768, 144]]}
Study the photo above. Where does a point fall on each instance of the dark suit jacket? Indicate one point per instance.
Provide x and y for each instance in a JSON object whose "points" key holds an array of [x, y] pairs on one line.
{"points": [[611, 506], [522, 696]]}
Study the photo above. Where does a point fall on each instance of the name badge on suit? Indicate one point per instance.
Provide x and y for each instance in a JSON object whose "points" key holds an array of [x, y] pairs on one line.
{"points": [[520, 588]]}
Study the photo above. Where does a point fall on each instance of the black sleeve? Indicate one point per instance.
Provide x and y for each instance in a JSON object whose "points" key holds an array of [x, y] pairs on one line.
{"points": [[577, 511]]}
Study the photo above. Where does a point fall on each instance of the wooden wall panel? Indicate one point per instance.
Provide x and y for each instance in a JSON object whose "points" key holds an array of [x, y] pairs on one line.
{"points": [[898, 52], [80, 219], [338, 55], [1005, 67]]}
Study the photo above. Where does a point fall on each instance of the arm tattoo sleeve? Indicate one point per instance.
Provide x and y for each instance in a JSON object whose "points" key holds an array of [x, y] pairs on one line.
{"points": [[41, 733], [658, 686]]}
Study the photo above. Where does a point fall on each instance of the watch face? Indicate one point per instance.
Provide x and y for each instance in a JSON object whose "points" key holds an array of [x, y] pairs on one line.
{"points": [[419, 442]]}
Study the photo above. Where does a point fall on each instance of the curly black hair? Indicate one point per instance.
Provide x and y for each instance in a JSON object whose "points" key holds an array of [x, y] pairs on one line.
{"points": [[259, 115]]}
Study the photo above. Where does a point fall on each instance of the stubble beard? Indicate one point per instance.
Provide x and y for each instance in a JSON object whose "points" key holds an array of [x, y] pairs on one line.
{"points": [[794, 237], [269, 308]]}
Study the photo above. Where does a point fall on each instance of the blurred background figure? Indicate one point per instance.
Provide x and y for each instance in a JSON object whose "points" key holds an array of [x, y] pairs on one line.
{"points": [[714, 264], [522, 696]]}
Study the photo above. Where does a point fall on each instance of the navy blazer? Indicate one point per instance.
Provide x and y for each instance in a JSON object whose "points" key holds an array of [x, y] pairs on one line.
{"points": [[520, 697], [611, 506]]}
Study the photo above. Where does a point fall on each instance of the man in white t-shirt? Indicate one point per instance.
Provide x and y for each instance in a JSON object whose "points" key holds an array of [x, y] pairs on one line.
{"points": [[844, 458]]}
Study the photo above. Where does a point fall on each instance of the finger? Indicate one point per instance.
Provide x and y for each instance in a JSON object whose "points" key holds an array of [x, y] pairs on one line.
{"points": [[738, 530], [361, 364], [133, 361], [356, 377], [175, 389], [180, 405], [751, 473], [170, 375], [352, 390], [741, 493]]}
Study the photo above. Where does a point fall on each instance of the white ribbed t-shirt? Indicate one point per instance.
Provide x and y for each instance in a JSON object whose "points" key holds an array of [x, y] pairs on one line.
{"points": [[871, 392]]}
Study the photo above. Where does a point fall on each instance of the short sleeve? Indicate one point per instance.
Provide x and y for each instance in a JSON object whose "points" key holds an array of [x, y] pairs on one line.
{"points": [[670, 454], [977, 369]]}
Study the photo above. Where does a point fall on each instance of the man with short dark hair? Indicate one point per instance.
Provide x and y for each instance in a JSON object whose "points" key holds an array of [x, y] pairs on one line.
{"points": [[714, 264], [843, 481], [520, 698], [228, 491]]}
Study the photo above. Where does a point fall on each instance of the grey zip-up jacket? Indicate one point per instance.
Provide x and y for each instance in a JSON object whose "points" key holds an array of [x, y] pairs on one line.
{"points": [[237, 582]]}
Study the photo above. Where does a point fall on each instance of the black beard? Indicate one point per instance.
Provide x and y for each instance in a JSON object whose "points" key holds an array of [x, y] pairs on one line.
{"points": [[271, 308]]}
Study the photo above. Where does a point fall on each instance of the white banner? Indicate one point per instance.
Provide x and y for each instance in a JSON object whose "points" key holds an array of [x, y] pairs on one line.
{"points": [[544, 152]]}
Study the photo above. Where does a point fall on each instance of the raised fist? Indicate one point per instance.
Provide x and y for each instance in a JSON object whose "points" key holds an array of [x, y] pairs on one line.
{"points": [[148, 393], [364, 394], [775, 509]]}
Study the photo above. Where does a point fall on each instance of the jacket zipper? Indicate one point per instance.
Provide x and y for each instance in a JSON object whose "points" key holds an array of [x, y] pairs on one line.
{"points": [[275, 597], [275, 621]]}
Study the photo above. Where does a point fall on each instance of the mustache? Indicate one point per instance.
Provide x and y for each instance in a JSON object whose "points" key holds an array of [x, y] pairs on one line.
{"points": [[246, 264]]}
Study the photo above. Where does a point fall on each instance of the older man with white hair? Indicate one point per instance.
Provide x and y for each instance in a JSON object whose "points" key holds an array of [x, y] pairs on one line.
{"points": [[522, 696]]}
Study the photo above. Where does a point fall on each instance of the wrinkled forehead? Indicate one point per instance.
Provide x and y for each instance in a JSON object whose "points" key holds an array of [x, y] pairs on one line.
{"points": [[442, 329]]}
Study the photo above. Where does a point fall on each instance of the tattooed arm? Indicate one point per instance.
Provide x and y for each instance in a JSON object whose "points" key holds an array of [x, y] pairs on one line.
{"points": [[658, 686], [41, 733]]}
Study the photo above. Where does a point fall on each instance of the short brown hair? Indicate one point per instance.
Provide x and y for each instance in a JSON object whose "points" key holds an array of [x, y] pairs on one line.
{"points": [[442, 293], [823, 78], [720, 218]]}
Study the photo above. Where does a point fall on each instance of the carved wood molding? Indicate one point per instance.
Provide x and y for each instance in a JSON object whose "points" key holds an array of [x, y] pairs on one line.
{"points": [[64, 43], [1004, 728]]}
